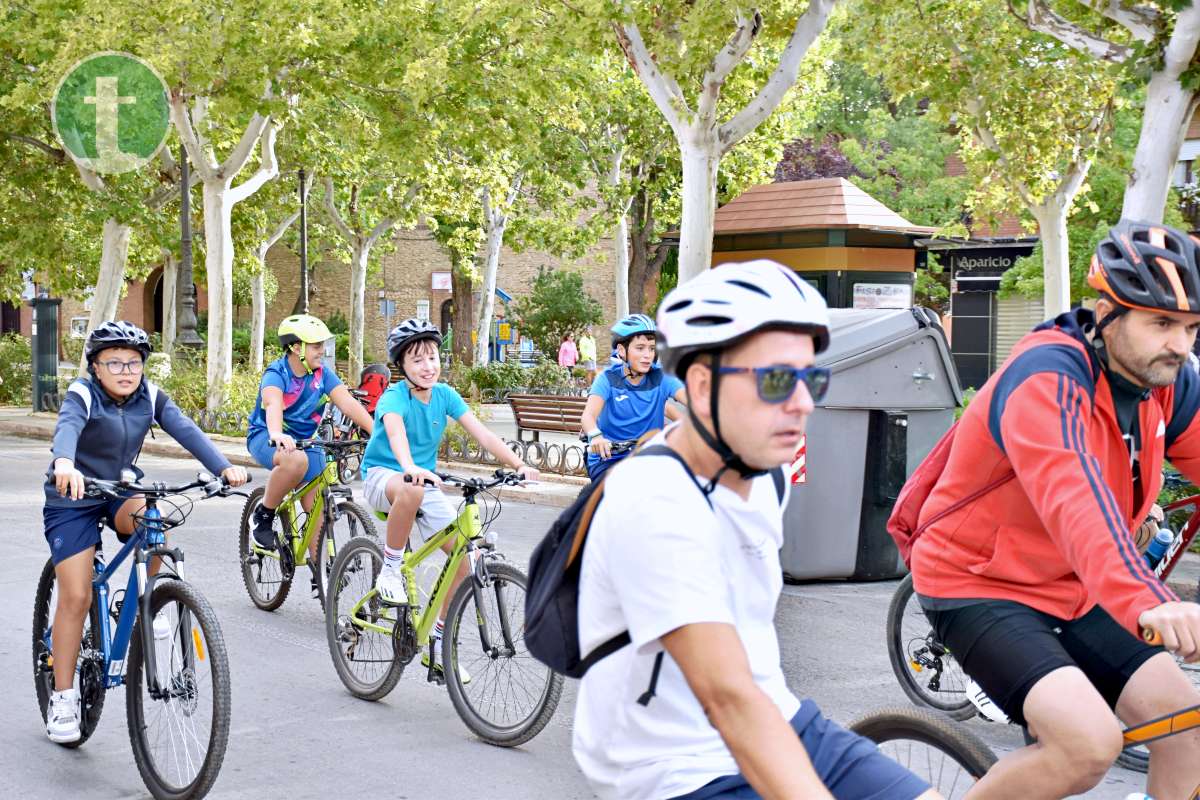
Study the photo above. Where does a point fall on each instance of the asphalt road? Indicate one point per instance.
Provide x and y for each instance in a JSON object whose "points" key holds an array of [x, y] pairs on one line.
{"points": [[297, 733]]}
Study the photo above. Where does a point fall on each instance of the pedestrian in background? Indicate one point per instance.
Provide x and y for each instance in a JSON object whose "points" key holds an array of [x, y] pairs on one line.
{"points": [[567, 354], [587, 354]]}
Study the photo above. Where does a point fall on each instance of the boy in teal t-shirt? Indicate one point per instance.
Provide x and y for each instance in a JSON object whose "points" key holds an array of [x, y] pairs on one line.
{"points": [[410, 420]]}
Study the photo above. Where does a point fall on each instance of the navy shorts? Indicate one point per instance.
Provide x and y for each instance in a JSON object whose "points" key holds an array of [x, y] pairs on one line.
{"points": [[259, 445], [597, 466], [850, 766], [72, 529]]}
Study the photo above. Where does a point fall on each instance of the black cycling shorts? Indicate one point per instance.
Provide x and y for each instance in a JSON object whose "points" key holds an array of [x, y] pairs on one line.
{"points": [[1007, 647]]}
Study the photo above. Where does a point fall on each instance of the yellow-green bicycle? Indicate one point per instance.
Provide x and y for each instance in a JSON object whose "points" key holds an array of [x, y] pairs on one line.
{"points": [[268, 574], [504, 695]]}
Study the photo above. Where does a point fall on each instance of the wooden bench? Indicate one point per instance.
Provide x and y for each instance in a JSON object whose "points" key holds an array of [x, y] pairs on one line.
{"points": [[547, 412]]}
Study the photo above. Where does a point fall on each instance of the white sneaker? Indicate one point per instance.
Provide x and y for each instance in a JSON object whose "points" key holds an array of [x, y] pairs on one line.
{"points": [[390, 585], [464, 677], [62, 717]]}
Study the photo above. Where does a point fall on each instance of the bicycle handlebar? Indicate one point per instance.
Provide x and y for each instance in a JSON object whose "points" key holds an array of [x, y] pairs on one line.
{"points": [[501, 476], [123, 489], [325, 444]]}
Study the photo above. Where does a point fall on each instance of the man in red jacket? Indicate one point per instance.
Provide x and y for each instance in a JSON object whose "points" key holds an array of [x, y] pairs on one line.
{"points": [[1036, 587]]}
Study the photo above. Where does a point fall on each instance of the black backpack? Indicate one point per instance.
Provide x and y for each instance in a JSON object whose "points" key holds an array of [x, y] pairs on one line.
{"points": [[552, 599]]}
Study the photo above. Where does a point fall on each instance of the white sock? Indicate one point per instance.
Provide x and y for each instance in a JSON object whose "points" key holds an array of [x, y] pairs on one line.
{"points": [[392, 559], [438, 629]]}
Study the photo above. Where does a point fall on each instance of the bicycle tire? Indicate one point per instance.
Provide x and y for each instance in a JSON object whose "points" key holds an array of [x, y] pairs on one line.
{"points": [[463, 604], [203, 622], [336, 629], [922, 726], [92, 701], [361, 524], [899, 656], [262, 600]]}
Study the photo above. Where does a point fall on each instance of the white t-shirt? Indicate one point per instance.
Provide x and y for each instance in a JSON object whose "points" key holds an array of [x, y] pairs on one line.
{"points": [[657, 558]]}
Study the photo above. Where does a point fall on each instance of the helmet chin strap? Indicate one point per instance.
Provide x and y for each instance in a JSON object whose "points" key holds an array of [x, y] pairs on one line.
{"points": [[1098, 341], [729, 459], [303, 356]]}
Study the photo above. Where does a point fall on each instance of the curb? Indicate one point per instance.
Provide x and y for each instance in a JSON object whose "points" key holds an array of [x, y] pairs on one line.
{"points": [[554, 493]]}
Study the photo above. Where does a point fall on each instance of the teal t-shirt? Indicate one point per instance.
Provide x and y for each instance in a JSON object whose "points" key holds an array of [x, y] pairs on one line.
{"points": [[425, 424]]}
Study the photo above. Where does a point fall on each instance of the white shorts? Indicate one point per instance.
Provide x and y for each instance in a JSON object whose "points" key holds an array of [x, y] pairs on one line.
{"points": [[436, 509]]}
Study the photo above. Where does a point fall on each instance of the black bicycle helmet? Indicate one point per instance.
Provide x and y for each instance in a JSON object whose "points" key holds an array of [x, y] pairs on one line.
{"points": [[116, 334], [1148, 266], [407, 333]]}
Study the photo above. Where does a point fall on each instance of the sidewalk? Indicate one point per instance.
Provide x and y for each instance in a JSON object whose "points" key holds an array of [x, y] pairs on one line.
{"points": [[558, 491]]}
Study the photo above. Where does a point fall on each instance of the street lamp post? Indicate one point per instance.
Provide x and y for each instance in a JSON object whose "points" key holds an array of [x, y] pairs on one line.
{"points": [[185, 290]]}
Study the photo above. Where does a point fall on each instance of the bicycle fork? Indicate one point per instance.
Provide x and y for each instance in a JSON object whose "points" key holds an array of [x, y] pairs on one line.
{"points": [[481, 581]]}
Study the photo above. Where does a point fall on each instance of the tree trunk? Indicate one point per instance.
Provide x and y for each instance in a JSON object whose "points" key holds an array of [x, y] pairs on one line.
{"points": [[113, 257], [642, 211], [487, 301], [1056, 263], [170, 280], [1164, 123], [620, 240], [258, 319], [358, 288], [218, 262], [701, 161], [460, 288]]}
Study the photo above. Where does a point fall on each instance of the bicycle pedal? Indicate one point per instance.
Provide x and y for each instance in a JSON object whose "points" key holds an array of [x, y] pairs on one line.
{"points": [[916, 667]]}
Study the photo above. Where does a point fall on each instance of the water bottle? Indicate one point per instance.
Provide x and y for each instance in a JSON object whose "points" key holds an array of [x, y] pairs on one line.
{"points": [[1158, 546], [1138, 796]]}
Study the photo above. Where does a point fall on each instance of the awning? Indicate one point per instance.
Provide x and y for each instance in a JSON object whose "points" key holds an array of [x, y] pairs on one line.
{"points": [[503, 295]]}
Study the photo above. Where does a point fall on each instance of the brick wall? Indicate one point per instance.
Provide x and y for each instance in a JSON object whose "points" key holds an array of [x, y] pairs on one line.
{"points": [[405, 276]]}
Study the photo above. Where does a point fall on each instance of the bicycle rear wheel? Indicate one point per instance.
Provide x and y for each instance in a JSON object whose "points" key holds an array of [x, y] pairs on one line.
{"points": [[946, 755], [925, 669], [179, 736], [350, 520], [89, 666], [511, 696], [263, 573], [364, 659]]}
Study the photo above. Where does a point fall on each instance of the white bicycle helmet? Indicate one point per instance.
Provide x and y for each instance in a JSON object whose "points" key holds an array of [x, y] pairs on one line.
{"points": [[732, 301], [721, 307]]}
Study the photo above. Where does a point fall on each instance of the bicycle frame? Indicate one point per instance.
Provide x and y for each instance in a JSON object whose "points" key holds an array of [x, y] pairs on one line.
{"points": [[466, 528], [148, 540], [1185, 536], [300, 540]]}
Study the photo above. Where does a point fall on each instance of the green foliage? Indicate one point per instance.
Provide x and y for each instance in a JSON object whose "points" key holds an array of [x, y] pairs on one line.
{"points": [[499, 376], [243, 294], [337, 322], [968, 395], [931, 286], [188, 383], [16, 367], [557, 305]]}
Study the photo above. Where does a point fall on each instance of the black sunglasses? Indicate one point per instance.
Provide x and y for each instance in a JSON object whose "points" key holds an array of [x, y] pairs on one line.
{"points": [[776, 384]]}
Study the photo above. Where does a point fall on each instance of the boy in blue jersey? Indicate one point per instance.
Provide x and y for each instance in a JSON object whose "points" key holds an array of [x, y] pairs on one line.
{"points": [[291, 401], [402, 454], [629, 398], [104, 418]]}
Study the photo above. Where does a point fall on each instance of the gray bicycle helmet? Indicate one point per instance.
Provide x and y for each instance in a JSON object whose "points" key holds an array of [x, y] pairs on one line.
{"points": [[407, 333], [116, 334]]}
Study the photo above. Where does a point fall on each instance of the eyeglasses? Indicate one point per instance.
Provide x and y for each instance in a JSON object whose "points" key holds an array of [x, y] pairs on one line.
{"points": [[118, 367], [776, 384]]}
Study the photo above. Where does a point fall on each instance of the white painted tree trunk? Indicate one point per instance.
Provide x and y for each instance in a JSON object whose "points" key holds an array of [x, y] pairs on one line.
{"points": [[1056, 264], [358, 291], [487, 301], [701, 161], [1164, 123], [170, 279], [620, 239], [113, 258], [218, 264], [258, 319]]}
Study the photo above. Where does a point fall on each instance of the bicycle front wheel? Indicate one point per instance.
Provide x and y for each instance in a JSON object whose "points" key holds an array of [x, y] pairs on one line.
{"points": [[363, 653], [262, 572], [179, 731], [925, 669], [937, 750], [349, 521], [503, 694]]}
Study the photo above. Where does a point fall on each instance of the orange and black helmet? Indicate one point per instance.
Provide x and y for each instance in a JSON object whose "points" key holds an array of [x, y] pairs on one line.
{"points": [[1148, 266]]}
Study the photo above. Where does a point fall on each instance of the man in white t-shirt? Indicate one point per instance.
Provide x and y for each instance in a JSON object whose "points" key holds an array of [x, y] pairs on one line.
{"points": [[686, 558]]}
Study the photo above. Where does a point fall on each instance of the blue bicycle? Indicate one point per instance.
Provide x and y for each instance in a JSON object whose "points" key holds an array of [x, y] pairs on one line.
{"points": [[176, 674]]}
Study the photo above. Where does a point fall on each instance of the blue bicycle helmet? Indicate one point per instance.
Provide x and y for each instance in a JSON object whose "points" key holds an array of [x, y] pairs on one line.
{"points": [[628, 327]]}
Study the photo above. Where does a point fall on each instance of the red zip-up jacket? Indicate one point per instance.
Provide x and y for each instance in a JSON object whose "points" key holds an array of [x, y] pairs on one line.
{"points": [[1057, 538]]}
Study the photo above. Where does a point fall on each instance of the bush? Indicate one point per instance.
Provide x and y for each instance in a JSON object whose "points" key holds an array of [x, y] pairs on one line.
{"points": [[558, 305], [547, 375], [16, 370], [72, 349], [337, 323], [187, 386]]}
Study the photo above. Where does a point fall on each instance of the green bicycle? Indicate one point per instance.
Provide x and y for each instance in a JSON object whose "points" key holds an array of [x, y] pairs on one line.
{"points": [[504, 695], [268, 575]]}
